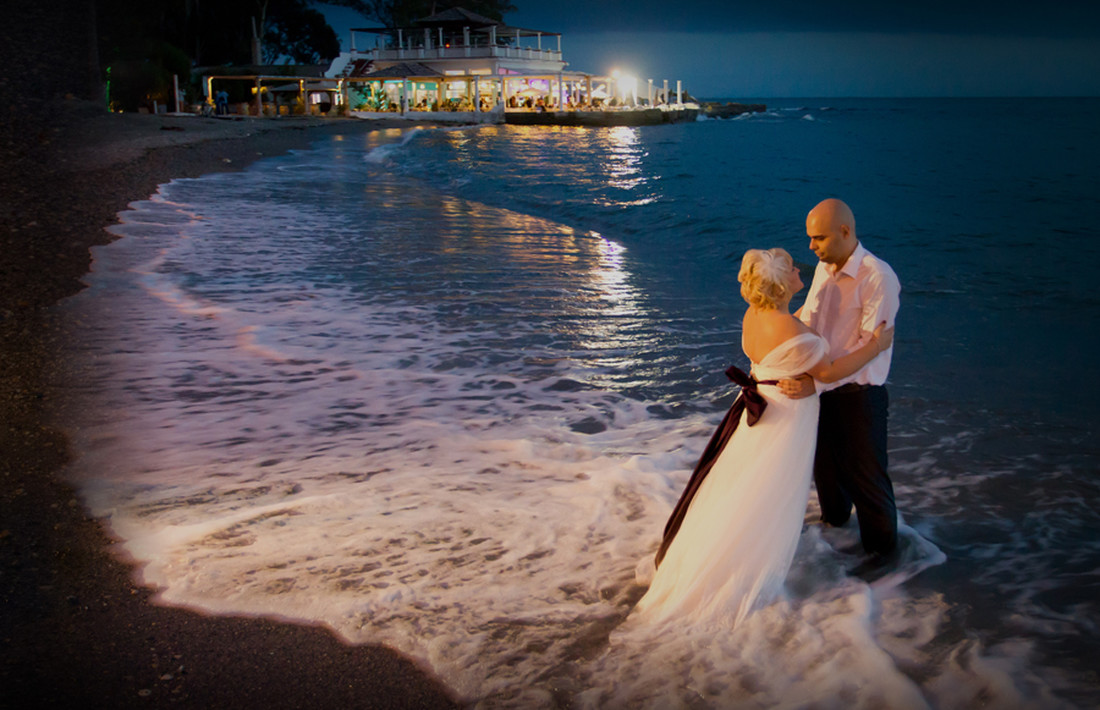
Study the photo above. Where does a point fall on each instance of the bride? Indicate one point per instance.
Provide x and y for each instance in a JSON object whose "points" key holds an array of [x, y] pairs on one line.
{"points": [[731, 539]]}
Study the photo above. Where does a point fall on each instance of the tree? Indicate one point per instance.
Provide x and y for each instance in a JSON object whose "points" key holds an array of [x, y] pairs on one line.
{"points": [[298, 32], [213, 32]]}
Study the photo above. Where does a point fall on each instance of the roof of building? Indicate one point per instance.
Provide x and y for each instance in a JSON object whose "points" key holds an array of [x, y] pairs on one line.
{"points": [[457, 17], [404, 69]]}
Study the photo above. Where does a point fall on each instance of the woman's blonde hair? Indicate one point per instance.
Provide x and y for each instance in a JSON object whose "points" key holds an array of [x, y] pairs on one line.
{"points": [[763, 277]]}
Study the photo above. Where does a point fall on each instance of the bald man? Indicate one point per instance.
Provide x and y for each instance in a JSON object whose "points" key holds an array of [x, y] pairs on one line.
{"points": [[852, 292]]}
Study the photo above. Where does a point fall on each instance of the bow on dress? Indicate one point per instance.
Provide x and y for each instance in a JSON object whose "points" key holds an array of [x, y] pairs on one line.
{"points": [[755, 404], [750, 401]]}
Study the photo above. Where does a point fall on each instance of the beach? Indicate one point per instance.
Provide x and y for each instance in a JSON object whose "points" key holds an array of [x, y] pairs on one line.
{"points": [[77, 629], [367, 385]]}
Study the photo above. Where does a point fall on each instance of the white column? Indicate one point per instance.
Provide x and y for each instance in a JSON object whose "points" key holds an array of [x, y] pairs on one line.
{"points": [[649, 92], [679, 94], [559, 44], [351, 38], [539, 37], [665, 94], [427, 38], [477, 95]]}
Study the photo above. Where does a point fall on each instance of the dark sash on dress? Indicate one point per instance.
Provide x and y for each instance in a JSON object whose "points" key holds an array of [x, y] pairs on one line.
{"points": [[749, 399]]}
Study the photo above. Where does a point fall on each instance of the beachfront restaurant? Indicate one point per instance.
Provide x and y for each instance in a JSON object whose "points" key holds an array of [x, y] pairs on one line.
{"points": [[459, 62], [416, 88], [458, 66]]}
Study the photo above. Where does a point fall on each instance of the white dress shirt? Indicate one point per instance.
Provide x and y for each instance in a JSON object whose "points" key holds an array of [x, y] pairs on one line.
{"points": [[846, 306]]}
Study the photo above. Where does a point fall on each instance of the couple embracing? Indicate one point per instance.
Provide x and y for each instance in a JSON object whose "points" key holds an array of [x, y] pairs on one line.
{"points": [[815, 406]]}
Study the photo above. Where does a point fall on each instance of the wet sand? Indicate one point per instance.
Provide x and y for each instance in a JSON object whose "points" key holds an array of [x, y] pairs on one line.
{"points": [[76, 630]]}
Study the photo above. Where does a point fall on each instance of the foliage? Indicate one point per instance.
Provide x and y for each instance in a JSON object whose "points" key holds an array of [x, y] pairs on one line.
{"points": [[145, 75], [213, 32], [298, 32]]}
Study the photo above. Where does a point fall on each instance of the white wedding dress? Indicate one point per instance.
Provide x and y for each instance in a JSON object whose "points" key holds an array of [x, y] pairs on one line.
{"points": [[738, 538]]}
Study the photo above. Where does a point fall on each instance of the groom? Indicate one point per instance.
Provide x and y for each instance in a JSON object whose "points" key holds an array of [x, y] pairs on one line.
{"points": [[852, 292]]}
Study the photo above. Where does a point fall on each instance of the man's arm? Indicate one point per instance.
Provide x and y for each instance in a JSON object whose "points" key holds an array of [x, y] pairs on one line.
{"points": [[881, 299]]}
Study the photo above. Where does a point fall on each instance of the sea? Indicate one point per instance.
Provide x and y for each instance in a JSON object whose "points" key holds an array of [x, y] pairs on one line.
{"points": [[438, 388]]}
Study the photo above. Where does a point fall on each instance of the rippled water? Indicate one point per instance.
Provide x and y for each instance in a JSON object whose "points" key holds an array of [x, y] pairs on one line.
{"points": [[440, 388]]}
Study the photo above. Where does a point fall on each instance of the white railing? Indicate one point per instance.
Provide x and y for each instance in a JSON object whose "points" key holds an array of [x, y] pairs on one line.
{"points": [[459, 53]]}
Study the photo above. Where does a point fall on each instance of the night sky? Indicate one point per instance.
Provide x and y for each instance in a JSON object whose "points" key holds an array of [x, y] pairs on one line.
{"points": [[781, 48]]}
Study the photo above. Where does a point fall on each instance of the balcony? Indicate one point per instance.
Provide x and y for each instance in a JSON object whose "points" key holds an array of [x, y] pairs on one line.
{"points": [[466, 52]]}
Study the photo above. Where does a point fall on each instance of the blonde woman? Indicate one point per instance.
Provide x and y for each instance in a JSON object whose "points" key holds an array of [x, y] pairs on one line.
{"points": [[731, 539]]}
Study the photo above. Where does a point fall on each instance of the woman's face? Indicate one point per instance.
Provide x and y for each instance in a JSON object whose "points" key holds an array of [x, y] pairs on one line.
{"points": [[794, 280]]}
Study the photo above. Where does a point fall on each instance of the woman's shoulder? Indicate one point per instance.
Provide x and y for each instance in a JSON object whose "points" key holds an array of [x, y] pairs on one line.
{"points": [[764, 333]]}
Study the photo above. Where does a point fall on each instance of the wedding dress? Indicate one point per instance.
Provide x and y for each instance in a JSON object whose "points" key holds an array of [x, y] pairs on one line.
{"points": [[738, 537]]}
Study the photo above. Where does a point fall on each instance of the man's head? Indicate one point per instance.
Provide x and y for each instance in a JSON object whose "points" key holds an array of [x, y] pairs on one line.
{"points": [[831, 228]]}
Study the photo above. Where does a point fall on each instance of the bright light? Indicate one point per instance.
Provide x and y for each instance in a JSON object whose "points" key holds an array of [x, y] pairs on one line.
{"points": [[627, 85]]}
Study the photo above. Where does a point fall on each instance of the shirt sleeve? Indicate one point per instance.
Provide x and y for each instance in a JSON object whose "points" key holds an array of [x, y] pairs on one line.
{"points": [[881, 298]]}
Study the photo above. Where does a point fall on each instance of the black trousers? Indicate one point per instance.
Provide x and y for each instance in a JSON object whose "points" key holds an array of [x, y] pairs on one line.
{"points": [[850, 464]]}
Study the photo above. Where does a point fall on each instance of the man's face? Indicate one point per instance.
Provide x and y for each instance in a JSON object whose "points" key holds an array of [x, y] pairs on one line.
{"points": [[830, 242]]}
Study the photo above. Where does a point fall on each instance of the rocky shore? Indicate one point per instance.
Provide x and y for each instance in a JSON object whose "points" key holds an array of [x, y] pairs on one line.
{"points": [[75, 628], [730, 109]]}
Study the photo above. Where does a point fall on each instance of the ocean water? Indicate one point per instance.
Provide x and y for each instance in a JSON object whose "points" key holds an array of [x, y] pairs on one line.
{"points": [[440, 388]]}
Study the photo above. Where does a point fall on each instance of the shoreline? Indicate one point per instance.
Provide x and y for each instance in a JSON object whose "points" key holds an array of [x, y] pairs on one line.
{"points": [[77, 627]]}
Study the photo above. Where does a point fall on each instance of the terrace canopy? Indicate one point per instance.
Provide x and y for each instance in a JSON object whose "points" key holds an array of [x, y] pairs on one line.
{"points": [[452, 24]]}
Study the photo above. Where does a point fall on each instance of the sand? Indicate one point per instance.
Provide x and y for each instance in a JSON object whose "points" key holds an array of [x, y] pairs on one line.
{"points": [[76, 630]]}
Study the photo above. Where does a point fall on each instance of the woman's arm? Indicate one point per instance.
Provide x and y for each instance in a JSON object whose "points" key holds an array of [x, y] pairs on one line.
{"points": [[840, 368]]}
